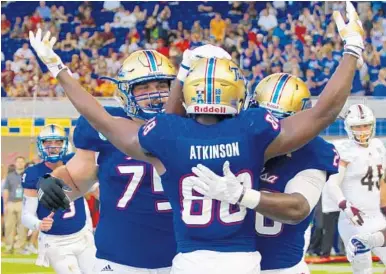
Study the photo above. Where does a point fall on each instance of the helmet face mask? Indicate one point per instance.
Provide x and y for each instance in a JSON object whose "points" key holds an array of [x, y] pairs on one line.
{"points": [[360, 124], [52, 143], [144, 67], [362, 133]]}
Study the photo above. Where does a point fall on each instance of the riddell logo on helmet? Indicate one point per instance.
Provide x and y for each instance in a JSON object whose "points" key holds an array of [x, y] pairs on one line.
{"points": [[208, 109]]}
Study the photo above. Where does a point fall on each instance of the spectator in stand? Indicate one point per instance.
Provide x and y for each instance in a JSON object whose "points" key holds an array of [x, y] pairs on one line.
{"points": [[380, 84], [43, 10], [107, 36], [77, 33], [113, 64], [88, 21], [162, 48], [124, 19], [382, 53], [44, 88], [58, 15], [251, 10], [13, 196], [111, 5], [255, 77], [95, 40], [83, 40], [236, 8], [196, 28], [205, 7], [17, 31], [5, 25], [139, 15], [267, 21], [68, 44], [217, 27], [7, 75], [358, 84], [374, 67]]}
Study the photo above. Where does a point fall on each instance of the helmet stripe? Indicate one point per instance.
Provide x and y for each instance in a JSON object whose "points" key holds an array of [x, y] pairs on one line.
{"points": [[52, 128], [209, 79], [151, 60], [279, 88], [361, 113]]}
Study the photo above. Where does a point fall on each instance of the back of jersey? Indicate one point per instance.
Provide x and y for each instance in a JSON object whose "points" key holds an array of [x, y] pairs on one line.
{"points": [[282, 245], [135, 226], [182, 143]]}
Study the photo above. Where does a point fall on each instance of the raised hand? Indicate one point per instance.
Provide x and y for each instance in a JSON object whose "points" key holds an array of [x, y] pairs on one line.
{"points": [[43, 48], [351, 33]]}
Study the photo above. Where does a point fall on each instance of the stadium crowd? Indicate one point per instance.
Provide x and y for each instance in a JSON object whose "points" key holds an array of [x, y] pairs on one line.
{"points": [[95, 37]]}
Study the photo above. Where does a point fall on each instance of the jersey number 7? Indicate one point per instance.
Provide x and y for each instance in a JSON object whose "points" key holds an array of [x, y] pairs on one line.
{"points": [[137, 174]]}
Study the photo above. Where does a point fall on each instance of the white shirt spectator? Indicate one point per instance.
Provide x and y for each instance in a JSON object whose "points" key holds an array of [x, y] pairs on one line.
{"points": [[124, 19], [24, 53], [267, 22], [113, 65], [129, 48], [278, 4], [111, 5]]}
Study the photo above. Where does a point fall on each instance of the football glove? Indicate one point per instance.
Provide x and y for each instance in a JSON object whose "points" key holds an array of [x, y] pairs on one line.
{"points": [[51, 193], [351, 33], [205, 51], [43, 48], [352, 213]]}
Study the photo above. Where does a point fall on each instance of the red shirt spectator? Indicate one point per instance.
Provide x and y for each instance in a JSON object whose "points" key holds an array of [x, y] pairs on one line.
{"points": [[300, 31], [7, 74], [5, 24], [183, 44], [107, 36], [35, 19], [161, 48]]}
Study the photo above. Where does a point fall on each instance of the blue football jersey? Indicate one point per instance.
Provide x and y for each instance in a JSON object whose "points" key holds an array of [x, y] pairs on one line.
{"points": [[282, 245], [65, 222], [182, 143], [136, 223]]}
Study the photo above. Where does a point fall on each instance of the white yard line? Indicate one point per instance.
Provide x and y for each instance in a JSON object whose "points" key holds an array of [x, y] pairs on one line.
{"points": [[18, 260]]}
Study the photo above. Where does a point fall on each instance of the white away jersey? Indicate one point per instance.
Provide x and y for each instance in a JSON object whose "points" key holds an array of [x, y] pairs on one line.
{"points": [[360, 185]]}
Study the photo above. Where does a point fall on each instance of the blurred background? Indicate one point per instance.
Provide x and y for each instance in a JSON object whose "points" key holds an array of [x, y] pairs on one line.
{"points": [[94, 37]]}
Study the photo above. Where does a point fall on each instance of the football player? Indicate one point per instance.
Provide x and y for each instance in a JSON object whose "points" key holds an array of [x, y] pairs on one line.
{"points": [[135, 230], [356, 187], [66, 242], [360, 246], [290, 185], [212, 237]]}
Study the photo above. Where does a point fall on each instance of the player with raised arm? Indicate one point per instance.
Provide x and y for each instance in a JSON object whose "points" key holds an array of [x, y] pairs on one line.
{"points": [[213, 237], [290, 185], [66, 242], [356, 187], [134, 212]]}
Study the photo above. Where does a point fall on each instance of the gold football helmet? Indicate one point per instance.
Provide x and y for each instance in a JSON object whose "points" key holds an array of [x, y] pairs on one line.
{"points": [[52, 143], [282, 94], [214, 86], [140, 67]]}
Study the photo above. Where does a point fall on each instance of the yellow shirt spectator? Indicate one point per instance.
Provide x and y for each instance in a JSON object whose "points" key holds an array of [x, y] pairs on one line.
{"points": [[217, 27], [106, 89]]}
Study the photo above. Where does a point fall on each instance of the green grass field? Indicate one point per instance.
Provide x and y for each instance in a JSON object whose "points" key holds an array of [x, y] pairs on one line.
{"points": [[26, 264]]}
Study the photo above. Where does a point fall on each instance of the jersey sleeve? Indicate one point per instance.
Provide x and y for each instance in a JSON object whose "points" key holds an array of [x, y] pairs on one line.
{"points": [[327, 159], [264, 126], [86, 137], [68, 157], [346, 151], [152, 134], [29, 179]]}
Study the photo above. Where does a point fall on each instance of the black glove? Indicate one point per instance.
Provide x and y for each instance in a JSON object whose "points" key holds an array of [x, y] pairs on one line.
{"points": [[51, 193]]}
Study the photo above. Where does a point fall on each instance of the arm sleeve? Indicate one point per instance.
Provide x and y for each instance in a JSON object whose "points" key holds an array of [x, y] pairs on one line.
{"points": [[28, 216], [308, 183], [333, 185]]}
